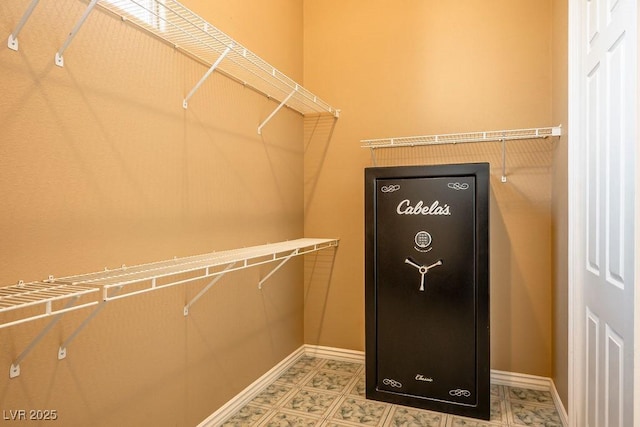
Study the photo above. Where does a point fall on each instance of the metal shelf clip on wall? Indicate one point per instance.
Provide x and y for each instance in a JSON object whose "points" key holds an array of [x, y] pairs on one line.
{"points": [[462, 138], [13, 37], [21, 299], [172, 22]]}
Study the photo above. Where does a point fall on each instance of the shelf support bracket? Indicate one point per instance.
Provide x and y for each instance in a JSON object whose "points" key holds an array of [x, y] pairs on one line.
{"points": [[62, 350], [206, 288], [185, 102], [14, 371], [13, 37], [273, 113], [72, 34], [283, 262], [504, 160], [373, 156]]}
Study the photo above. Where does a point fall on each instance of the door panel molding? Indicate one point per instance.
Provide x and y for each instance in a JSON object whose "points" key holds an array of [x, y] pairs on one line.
{"points": [[604, 324]]}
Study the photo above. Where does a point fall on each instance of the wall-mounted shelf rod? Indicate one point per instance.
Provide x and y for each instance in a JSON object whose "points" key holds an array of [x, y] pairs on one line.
{"points": [[13, 37], [273, 113], [277, 267], [185, 103], [463, 138], [59, 59], [206, 288]]}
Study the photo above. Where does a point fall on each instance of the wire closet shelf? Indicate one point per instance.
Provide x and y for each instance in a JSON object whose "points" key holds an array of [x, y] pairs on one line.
{"points": [[60, 295], [462, 138], [132, 280], [184, 29], [36, 300], [172, 22]]}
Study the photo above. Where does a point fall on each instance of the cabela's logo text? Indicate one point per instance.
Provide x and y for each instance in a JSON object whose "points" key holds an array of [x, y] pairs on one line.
{"points": [[406, 208]]}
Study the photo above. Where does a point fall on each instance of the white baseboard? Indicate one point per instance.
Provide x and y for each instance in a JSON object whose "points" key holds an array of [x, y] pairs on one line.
{"points": [[333, 353], [513, 379], [246, 395], [562, 411], [510, 379], [533, 382]]}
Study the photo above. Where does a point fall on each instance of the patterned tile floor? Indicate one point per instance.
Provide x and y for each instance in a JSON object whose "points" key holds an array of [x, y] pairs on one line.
{"points": [[324, 392]]}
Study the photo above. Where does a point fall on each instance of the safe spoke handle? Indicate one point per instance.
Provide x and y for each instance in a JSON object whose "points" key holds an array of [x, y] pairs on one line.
{"points": [[413, 263], [422, 269], [435, 264]]}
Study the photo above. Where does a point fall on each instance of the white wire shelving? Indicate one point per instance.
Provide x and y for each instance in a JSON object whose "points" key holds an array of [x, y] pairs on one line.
{"points": [[184, 29], [171, 21], [463, 138], [128, 281], [25, 302], [124, 282], [35, 300]]}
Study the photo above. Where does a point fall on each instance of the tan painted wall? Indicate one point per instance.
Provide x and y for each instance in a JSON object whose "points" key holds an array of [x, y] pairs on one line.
{"points": [[420, 67], [559, 202], [101, 166]]}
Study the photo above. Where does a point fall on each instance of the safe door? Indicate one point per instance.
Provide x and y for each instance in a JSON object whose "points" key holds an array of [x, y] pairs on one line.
{"points": [[427, 304]]}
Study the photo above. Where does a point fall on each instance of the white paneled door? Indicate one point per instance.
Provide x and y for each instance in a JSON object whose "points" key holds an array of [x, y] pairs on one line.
{"points": [[602, 150]]}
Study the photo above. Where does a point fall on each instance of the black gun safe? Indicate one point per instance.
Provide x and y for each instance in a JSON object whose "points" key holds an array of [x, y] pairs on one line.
{"points": [[427, 287]]}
